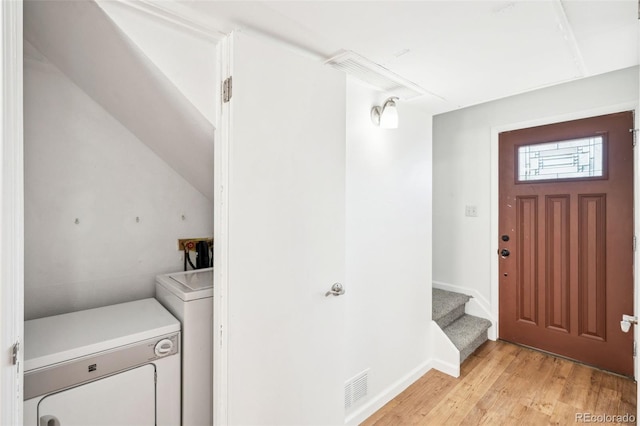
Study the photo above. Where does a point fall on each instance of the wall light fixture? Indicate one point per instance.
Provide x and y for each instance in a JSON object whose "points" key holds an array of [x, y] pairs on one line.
{"points": [[386, 116]]}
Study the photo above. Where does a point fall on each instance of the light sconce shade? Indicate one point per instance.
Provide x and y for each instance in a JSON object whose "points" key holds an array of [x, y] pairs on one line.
{"points": [[386, 116]]}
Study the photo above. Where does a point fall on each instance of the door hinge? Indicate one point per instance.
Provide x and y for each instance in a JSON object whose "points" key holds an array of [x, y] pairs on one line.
{"points": [[634, 133], [15, 350], [635, 348], [227, 89], [635, 243]]}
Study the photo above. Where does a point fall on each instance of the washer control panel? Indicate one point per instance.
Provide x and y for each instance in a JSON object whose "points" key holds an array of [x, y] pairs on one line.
{"points": [[82, 370]]}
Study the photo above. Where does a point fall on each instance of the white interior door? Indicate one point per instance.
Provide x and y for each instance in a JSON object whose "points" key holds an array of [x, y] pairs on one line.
{"points": [[284, 240]]}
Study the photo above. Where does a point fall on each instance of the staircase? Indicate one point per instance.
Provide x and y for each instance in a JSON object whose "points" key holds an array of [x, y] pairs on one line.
{"points": [[465, 331]]}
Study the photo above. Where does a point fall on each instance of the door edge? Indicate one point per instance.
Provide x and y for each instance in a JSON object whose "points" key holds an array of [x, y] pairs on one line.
{"points": [[221, 237]]}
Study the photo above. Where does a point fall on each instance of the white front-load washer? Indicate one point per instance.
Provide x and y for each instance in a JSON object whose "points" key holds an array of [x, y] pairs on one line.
{"points": [[114, 365], [189, 297]]}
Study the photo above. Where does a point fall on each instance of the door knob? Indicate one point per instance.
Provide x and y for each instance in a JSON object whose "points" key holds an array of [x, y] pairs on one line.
{"points": [[626, 322], [504, 253], [336, 290]]}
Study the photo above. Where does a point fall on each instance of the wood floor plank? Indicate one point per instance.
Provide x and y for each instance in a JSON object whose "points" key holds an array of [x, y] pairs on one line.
{"points": [[628, 393], [494, 407], [525, 415], [420, 396], [608, 401], [423, 402], [529, 379], [471, 388], [563, 414], [548, 396], [582, 387], [378, 416], [507, 384], [612, 381]]}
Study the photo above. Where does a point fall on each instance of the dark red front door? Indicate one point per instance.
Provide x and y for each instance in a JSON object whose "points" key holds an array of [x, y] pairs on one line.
{"points": [[566, 239]]}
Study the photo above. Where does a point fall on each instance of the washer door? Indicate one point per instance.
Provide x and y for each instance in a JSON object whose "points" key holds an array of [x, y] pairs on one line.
{"points": [[127, 398]]}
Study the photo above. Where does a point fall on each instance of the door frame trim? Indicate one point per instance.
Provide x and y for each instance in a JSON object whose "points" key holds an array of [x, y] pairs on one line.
{"points": [[494, 204], [224, 135], [11, 212]]}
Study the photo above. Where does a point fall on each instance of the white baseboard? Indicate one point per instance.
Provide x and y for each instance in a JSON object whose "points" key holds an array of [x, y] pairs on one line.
{"points": [[445, 354], [364, 412], [447, 368], [477, 306]]}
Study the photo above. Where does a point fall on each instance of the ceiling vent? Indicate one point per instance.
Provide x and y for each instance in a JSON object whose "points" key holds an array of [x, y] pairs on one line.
{"points": [[376, 75]]}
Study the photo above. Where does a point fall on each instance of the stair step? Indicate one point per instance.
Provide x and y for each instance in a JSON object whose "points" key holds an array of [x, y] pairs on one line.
{"points": [[467, 333], [447, 306]]}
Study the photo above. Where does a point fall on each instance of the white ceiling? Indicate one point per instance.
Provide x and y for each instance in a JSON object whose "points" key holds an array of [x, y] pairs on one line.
{"points": [[465, 52]]}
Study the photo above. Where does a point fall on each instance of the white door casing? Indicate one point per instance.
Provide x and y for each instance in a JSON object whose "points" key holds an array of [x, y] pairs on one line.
{"points": [[220, 236], [281, 190], [636, 260], [11, 214]]}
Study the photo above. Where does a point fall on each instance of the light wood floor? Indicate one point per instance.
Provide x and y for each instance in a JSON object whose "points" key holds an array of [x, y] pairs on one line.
{"points": [[505, 384]]}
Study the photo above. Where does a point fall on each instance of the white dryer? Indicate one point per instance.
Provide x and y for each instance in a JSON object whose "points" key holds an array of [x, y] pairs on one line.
{"points": [[189, 296], [115, 365]]}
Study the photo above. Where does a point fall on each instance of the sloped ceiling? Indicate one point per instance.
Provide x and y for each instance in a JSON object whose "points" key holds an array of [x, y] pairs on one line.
{"points": [[81, 40]]}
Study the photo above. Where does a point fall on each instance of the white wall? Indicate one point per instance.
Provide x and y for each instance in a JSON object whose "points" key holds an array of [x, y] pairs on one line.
{"points": [[81, 40], [465, 169], [186, 58], [82, 163], [388, 247]]}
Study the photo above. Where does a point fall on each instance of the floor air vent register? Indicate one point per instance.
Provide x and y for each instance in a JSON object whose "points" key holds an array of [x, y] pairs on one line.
{"points": [[356, 389]]}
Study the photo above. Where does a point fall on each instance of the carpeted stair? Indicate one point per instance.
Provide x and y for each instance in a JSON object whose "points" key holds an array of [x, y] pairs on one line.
{"points": [[465, 331]]}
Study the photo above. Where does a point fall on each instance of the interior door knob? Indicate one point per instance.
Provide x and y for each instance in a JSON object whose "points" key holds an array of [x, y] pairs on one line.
{"points": [[505, 253]]}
